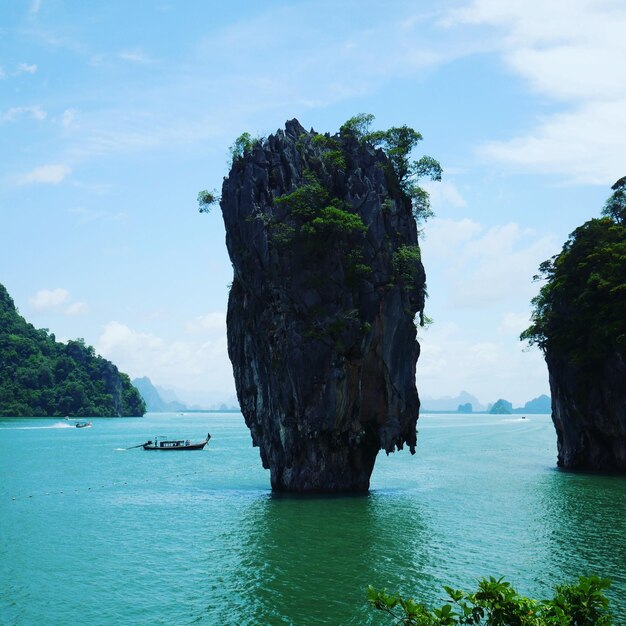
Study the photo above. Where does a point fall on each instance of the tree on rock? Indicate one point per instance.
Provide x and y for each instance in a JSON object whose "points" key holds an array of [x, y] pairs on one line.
{"points": [[579, 321]]}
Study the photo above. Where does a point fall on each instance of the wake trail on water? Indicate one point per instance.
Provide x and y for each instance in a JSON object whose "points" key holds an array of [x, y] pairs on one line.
{"points": [[57, 425]]}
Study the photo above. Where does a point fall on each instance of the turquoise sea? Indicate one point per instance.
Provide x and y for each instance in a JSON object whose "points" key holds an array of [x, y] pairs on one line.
{"points": [[91, 533]]}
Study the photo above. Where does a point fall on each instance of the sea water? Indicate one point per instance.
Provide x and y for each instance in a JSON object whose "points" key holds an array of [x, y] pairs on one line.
{"points": [[94, 533]]}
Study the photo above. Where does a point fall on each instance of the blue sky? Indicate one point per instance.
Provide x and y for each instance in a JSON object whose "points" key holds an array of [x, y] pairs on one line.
{"points": [[114, 115]]}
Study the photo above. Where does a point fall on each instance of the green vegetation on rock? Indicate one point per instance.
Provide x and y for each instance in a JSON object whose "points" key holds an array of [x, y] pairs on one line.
{"points": [[242, 145], [405, 260], [497, 603], [42, 377], [398, 143], [581, 310], [615, 207], [313, 216], [206, 200]]}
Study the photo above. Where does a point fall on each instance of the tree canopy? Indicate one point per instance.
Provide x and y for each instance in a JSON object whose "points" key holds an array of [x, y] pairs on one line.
{"points": [[398, 143], [581, 310], [42, 377], [615, 207]]}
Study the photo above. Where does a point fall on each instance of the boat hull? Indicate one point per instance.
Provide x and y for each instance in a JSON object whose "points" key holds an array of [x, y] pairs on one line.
{"points": [[193, 446]]}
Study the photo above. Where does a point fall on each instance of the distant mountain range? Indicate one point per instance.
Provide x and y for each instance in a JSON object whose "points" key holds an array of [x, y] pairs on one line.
{"points": [[452, 403], [467, 403], [155, 403], [540, 404], [161, 400]]}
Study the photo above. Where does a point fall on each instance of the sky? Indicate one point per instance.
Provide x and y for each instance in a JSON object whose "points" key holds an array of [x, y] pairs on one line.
{"points": [[113, 115]]}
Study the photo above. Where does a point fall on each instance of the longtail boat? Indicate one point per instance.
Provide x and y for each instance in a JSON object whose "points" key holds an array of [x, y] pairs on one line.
{"points": [[175, 444]]}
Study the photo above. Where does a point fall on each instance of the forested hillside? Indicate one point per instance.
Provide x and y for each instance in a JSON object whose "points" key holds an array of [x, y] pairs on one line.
{"points": [[42, 377]]}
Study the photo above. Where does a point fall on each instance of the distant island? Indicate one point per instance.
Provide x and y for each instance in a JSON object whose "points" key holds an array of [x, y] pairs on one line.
{"points": [[470, 403], [539, 405], [40, 376], [501, 407], [465, 403]]}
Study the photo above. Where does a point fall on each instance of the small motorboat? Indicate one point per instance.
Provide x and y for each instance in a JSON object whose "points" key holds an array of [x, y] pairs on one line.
{"points": [[174, 444], [83, 424]]}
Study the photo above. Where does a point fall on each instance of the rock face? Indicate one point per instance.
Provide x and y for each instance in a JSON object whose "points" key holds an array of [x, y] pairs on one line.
{"points": [[327, 283], [579, 321], [589, 413]]}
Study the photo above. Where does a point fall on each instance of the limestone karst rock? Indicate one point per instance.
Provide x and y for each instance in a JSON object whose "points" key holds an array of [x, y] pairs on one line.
{"points": [[580, 323], [589, 412], [327, 283]]}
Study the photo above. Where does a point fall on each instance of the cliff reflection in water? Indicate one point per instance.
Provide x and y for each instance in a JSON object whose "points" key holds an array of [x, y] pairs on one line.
{"points": [[308, 558]]}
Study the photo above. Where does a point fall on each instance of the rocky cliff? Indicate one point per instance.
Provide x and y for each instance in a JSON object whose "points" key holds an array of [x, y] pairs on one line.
{"points": [[327, 283], [589, 412], [579, 321]]}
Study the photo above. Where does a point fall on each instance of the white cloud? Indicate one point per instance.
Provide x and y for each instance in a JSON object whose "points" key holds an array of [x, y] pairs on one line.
{"points": [[118, 336], [481, 282], [443, 194], [208, 324], [35, 6], [181, 364], [571, 52], [25, 68], [67, 118], [46, 299], [450, 360], [77, 308], [513, 324], [481, 267], [35, 112], [58, 300], [86, 216], [135, 56], [445, 236], [45, 174], [587, 144], [312, 64]]}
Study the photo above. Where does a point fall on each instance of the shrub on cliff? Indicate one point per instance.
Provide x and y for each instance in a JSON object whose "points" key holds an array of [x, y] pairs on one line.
{"points": [[496, 603]]}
